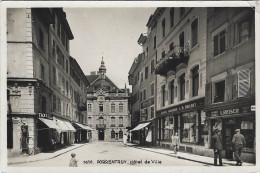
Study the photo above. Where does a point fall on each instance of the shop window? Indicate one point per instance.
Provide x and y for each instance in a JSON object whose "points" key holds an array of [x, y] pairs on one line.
{"points": [[194, 32], [219, 43], [43, 104], [113, 108], [9, 132], [182, 12], [182, 87], [121, 122], [189, 127], [90, 134], [168, 128], [244, 30], [101, 107], [204, 128], [113, 135], [163, 95], [152, 66], [219, 92], [195, 81], [243, 83], [247, 129], [172, 17], [146, 72], [89, 107], [120, 134], [171, 88], [163, 28], [154, 42], [113, 124], [152, 89], [121, 107]]}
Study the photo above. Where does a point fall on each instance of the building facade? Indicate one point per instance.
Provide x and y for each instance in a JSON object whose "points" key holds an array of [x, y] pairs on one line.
{"points": [[38, 79], [107, 107], [230, 88]]}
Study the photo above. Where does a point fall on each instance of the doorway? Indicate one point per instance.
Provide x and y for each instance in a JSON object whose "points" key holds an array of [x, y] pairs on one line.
{"points": [[230, 126], [25, 139], [101, 135]]}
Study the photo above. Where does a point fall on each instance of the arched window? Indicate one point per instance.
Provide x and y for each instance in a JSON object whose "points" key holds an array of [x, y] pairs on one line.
{"points": [[121, 107], [195, 81], [113, 108], [112, 134], [120, 134], [101, 120]]}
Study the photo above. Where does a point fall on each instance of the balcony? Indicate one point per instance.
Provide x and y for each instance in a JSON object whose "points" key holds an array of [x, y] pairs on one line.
{"points": [[172, 59], [100, 126], [82, 106]]}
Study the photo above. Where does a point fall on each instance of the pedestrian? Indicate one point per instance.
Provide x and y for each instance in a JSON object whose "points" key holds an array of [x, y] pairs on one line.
{"points": [[175, 142], [73, 161], [125, 140], [217, 147], [238, 143]]}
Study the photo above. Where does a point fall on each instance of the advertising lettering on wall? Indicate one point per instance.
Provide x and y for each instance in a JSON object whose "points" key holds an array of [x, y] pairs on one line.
{"points": [[45, 115], [232, 111]]}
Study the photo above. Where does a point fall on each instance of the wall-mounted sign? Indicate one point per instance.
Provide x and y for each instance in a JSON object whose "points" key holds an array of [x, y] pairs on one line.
{"points": [[183, 107], [231, 111], [147, 103], [44, 115]]}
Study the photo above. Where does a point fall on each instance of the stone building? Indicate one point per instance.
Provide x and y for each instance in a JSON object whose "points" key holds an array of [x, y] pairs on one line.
{"points": [[181, 76], [230, 88], [107, 107], [38, 80]]}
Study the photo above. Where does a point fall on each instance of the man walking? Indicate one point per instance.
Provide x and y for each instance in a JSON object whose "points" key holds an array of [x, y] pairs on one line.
{"points": [[217, 147], [239, 143], [175, 142]]}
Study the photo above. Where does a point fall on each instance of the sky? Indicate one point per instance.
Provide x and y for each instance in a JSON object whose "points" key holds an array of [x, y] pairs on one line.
{"points": [[111, 32]]}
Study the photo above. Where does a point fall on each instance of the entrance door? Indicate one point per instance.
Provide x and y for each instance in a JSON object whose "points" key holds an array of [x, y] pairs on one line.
{"points": [[229, 132], [25, 139], [101, 135]]}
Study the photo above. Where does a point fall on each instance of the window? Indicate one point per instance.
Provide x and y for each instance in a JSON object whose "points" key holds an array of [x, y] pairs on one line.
{"points": [[219, 43], [63, 38], [171, 46], [67, 88], [163, 54], [90, 134], [120, 134], [163, 28], [53, 48], [67, 66], [141, 96], [154, 42], [163, 95], [120, 121], [194, 32], [89, 107], [152, 89], [168, 128], [90, 121], [101, 107], [144, 94], [182, 12], [142, 78], [195, 81], [243, 83], [147, 51], [59, 105], [219, 91], [41, 39], [188, 127], [171, 92], [113, 108], [58, 29], [112, 134], [172, 17], [113, 122], [152, 66], [244, 30], [146, 72], [182, 87], [54, 104], [181, 39], [121, 107], [247, 125], [152, 112], [101, 120], [42, 72]]}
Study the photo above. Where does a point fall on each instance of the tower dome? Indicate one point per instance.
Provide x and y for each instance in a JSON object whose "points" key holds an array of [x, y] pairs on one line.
{"points": [[102, 68]]}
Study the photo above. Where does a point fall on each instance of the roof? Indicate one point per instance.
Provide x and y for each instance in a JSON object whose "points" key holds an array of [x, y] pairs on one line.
{"points": [[91, 78]]}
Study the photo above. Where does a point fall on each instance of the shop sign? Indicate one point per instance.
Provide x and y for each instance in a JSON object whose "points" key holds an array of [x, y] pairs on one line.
{"points": [[229, 111], [186, 106], [44, 115], [245, 109], [147, 103]]}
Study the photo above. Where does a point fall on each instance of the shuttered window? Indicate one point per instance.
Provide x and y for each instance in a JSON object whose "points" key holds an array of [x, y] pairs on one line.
{"points": [[243, 82]]}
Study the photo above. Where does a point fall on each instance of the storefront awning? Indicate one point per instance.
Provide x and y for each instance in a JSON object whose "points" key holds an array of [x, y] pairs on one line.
{"points": [[140, 126], [50, 123], [62, 125], [84, 127], [70, 126]]}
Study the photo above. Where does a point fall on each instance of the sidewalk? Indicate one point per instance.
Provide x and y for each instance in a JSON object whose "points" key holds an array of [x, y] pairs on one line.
{"points": [[42, 156], [187, 156]]}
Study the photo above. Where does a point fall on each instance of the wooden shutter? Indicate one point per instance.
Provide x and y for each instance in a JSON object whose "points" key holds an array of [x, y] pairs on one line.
{"points": [[243, 82]]}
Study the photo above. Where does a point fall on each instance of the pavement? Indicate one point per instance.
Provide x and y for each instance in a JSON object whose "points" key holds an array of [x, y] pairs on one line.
{"points": [[43, 156], [167, 152], [188, 156]]}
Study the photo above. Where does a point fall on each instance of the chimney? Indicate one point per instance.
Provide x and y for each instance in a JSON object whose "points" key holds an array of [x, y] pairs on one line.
{"points": [[93, 73]]}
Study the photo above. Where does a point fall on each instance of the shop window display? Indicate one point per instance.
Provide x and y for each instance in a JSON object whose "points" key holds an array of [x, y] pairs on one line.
{"points": [[168, 128], [247, 129], [189, 127]]}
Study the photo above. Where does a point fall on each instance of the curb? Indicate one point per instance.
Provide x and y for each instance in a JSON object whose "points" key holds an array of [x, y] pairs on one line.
{"points": [[46, 158]]}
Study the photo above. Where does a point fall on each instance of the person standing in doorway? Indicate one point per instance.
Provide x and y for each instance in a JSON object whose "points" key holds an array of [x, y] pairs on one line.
{"points": [[239, 143], [175, 142], [217, 147], [125, 140]]}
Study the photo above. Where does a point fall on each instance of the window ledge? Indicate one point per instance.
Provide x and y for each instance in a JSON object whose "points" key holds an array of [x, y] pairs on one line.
{"points": [[194, 47], [219, 55]]}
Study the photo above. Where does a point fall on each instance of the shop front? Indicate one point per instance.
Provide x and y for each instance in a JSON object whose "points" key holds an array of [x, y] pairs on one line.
{"points": [[81, 134], [227, 118]]}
